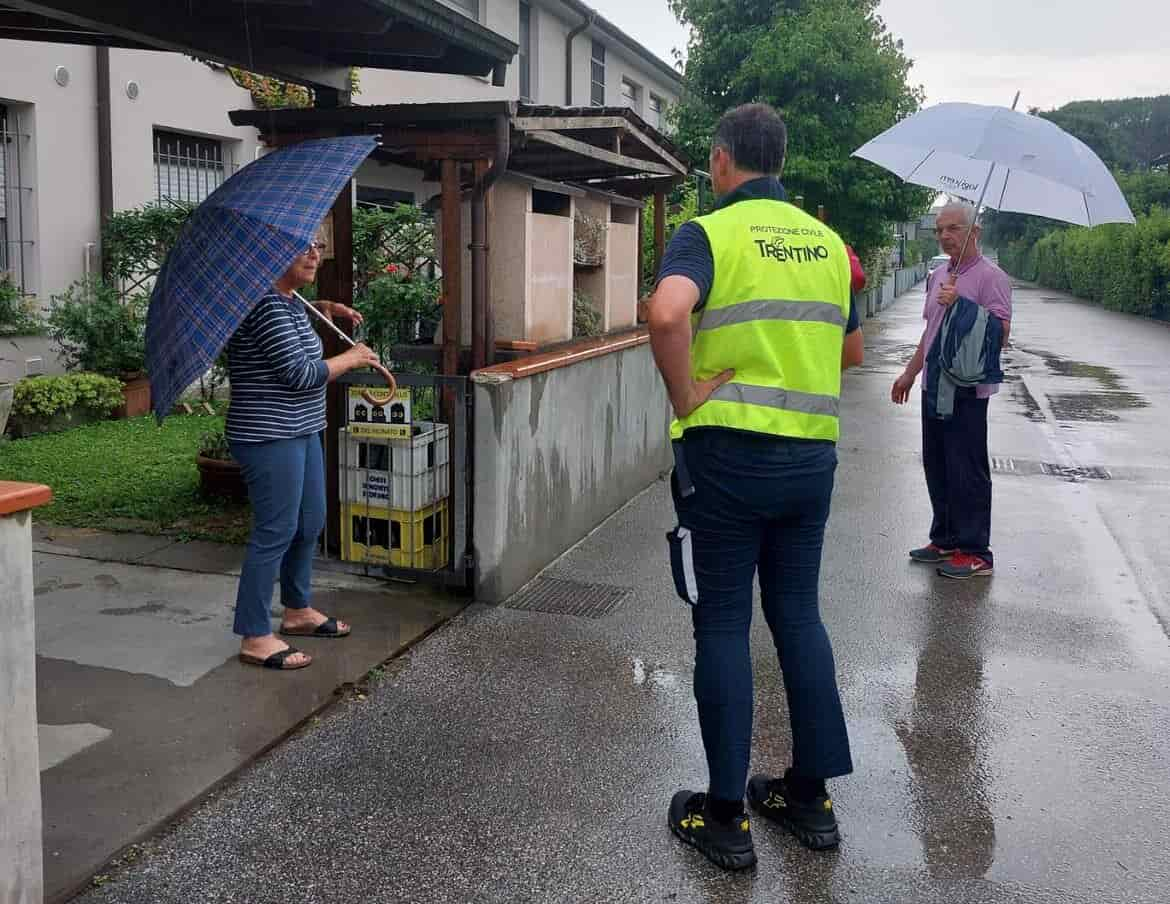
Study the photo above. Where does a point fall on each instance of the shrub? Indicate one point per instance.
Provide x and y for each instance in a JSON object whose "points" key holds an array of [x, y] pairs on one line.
{"points": [[43, 397], [99, 332], [17, 314], [586, 317], [1123, 268], [399, 308]]}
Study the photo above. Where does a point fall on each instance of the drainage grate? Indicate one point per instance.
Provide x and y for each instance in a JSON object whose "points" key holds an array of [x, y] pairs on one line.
{"points": [[558, 597], [1074, 473], [1024, 468]]}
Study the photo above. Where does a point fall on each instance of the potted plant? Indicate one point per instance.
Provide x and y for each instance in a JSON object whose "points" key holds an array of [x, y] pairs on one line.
{"points": [[219, 473], [99, 331]]}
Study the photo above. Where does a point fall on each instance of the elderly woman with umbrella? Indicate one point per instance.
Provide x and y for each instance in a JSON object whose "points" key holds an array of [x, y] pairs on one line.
{"points": [[232, 279]]}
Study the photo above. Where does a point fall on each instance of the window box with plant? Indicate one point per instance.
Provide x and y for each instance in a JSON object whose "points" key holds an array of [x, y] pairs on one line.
{"points": [[219, 473], [56, 403]]}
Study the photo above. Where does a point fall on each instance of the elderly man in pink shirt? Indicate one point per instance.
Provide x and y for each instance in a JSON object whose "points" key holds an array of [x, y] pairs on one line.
{"points": [[954, 451]]}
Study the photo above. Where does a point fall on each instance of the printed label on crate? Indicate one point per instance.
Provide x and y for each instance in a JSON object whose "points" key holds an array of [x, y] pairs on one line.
{"points": [[374, 487], [371, 412]]}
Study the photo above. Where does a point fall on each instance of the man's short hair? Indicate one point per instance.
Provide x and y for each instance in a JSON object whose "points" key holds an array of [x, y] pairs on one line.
{"points": [[755, 136], [962, 208]]}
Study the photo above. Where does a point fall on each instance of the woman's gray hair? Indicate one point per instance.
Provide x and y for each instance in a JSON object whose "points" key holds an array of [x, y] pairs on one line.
{"points": [[960, 207]]}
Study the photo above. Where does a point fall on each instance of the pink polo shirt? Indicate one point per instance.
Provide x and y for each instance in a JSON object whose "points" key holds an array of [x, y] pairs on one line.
{"points": [[979, 280]]}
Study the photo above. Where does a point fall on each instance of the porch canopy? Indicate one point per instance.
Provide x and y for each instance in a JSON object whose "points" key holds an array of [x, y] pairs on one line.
{"points": [[310, 42], [611, 145], [466, 147]]}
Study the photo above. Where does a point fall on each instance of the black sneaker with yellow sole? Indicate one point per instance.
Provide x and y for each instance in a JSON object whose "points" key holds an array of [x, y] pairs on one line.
{"points": [[726, 844], [812, 822]]}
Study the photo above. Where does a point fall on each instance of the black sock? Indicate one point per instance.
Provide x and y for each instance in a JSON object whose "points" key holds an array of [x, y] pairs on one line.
{"points": [[804, 789], [724, 810]]}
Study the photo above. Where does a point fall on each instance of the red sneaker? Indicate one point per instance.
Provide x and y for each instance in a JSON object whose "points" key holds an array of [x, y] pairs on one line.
{"points": [[963, 566], [931, 554]]}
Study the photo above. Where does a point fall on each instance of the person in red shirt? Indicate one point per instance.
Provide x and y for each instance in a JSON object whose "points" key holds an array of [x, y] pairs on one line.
{"points": [[858, 281]]}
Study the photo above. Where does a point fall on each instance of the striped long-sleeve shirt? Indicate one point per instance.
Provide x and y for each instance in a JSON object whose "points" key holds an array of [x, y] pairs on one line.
{"points": [[277, 375]]}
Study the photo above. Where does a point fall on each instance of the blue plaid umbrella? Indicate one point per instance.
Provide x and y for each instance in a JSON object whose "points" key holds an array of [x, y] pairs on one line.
{"points": [[231, 251]]}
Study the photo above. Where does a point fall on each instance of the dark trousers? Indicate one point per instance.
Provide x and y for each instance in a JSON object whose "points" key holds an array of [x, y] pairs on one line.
{"points": [[286, 486], [760, 505], [958, 476]]}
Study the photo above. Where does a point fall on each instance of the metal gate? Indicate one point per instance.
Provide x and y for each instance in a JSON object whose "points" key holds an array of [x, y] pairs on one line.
{"points": [[404, 479]]}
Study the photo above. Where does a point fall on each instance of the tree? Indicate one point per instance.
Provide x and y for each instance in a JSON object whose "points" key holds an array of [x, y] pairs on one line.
{"points": [[1132, 133], [836, 75]]}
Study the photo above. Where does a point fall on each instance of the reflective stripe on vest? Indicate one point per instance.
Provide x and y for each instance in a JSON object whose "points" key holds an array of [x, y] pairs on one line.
{"points": [[746, 311], [776, 314]]}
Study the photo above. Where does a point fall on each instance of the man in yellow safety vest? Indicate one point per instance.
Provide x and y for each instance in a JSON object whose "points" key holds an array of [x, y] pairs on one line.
{"points": [[751, 325]]}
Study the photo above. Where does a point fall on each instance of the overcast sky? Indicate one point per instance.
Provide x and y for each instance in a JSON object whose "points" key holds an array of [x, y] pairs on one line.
{"points": [[1052, 51]]}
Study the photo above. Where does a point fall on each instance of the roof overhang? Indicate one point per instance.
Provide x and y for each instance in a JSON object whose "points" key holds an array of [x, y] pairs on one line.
{"points": [[606, 147], [311, 42]]}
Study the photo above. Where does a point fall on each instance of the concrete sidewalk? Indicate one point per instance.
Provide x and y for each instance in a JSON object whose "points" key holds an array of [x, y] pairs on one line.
{"points": [[1009, 735], [142, 703]]}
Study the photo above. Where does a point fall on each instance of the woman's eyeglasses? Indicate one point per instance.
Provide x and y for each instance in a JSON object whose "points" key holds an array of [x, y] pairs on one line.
{"points": [[318, 247]]}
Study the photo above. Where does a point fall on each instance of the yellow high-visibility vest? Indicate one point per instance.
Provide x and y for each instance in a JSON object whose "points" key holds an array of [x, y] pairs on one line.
{"points": [[776, 314]]}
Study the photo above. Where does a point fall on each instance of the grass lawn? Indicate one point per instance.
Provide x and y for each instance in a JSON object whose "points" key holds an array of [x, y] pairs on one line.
{"points": [[129, 475]]}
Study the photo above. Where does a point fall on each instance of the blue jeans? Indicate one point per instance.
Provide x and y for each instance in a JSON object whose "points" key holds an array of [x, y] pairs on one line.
{"points": [[760, 505], [286, 485], [958, 476]]}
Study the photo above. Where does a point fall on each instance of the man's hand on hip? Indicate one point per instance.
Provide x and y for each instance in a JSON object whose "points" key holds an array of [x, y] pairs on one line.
{"points": [[698, 392]]}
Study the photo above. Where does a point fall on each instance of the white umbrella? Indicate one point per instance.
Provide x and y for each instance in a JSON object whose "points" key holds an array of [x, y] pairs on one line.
{"points": [[1003, 159]]}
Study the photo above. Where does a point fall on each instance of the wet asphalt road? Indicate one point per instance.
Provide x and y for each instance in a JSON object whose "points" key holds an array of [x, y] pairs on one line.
{"points": [[1009, 735]]}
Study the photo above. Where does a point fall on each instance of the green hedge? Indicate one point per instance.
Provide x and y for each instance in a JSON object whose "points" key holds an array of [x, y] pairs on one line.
{"points": [[1123, 268]]}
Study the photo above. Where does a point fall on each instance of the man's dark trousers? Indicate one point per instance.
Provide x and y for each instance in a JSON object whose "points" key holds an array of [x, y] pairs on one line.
{"points": [[958, 476], [761, 504]]}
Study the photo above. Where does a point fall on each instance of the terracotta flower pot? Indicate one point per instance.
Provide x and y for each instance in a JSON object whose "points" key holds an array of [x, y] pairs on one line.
{"points": [[218, 477], [136, 392]]}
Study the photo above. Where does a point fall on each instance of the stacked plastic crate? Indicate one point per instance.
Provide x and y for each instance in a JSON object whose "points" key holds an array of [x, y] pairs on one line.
{"points": [[395, 483]]}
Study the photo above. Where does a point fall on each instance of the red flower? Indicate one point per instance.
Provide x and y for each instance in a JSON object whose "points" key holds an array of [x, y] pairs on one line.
{"points": [[391, 268]]}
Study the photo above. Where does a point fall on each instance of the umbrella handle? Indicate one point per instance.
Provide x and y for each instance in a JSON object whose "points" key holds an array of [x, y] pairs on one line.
{"points": [[366, 394]]}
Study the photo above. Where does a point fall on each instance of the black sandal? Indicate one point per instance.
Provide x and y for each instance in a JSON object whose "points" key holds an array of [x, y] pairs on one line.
{"points": [[277, 660], [327, 628]]}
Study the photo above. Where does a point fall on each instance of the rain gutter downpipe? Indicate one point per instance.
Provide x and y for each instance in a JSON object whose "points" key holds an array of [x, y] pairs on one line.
{"points": [[105, 146], [590, 19]]}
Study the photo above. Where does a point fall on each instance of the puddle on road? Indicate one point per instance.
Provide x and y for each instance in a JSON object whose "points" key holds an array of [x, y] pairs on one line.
{"points": [[1098, 406]]}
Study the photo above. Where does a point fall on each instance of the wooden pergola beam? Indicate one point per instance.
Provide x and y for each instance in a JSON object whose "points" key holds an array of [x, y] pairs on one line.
{"points": [[532, 124], [592, 152]]}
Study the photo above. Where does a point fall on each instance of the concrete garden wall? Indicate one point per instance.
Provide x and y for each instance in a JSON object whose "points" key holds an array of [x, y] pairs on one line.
{"points": [[559, 450]]}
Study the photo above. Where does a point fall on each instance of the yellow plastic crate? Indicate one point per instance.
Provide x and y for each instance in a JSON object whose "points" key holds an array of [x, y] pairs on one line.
{"points": [[372, 535]]}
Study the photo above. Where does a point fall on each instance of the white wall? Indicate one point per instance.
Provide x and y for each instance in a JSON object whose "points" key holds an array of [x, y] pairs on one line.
{"points": [[382, 86], [176, 93], [619, 62], [60, 161], [551, 24]]}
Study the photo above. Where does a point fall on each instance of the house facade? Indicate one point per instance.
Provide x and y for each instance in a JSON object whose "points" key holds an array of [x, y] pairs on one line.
{"points": [[169, 138]]}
